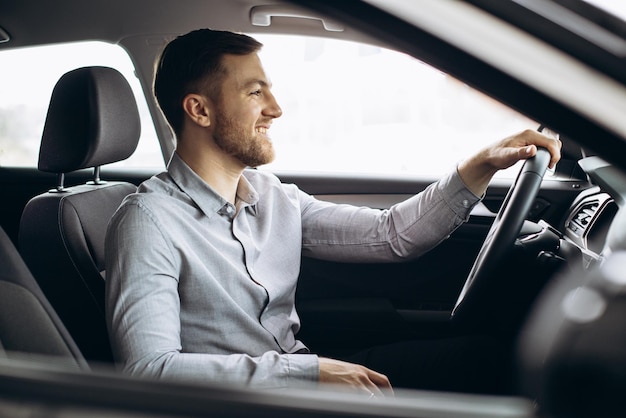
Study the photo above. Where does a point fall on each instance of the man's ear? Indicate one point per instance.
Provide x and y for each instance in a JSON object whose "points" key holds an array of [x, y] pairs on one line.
{"points": [[198, 109]]}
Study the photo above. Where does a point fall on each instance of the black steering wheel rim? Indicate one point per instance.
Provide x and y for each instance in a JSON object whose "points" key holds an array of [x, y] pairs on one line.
{"points": [[504, 230]]}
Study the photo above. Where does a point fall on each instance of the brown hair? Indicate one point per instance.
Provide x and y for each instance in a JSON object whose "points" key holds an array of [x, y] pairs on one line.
{"points": [[191, 63]]}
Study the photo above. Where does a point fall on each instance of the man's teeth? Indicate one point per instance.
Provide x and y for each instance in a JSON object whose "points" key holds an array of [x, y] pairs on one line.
{"points": [[261, 130]]}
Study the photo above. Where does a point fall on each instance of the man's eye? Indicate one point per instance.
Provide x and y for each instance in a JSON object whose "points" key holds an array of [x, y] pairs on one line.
{"points": [[256, 93]]}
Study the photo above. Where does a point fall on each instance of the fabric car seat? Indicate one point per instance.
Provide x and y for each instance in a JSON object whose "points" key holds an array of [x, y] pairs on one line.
{"points": [[92, 120], [28, 323]]}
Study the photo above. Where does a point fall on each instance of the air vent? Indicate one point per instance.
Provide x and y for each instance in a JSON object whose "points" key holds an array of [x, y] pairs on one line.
{"points": [[580, 221]]}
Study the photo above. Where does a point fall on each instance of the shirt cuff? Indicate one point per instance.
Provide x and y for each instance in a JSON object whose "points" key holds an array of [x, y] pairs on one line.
{"points": [[304, 370], [459, 198]]}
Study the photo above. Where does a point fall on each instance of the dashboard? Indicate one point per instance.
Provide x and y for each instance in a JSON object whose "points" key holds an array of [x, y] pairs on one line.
{"points": [[594, 222]]}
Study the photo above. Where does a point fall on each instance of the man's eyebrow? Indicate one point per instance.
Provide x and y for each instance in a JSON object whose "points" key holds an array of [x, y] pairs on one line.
{"points": [[250, 83]]}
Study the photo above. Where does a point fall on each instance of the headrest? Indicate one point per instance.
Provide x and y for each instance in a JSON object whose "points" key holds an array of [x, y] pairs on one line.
{"points": [[92, 120]]}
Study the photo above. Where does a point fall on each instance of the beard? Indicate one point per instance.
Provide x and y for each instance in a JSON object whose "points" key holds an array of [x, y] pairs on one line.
{"points": [[234, 139]]}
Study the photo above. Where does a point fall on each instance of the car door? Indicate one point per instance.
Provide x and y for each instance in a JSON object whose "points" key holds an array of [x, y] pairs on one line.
{"points": [[345, 307]]}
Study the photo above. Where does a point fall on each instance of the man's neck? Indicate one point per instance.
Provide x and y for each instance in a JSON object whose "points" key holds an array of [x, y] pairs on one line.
{"points": [[218, 170]]}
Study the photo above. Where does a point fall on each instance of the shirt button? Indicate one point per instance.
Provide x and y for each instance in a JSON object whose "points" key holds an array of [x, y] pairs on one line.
{"points": [[466, 203]]}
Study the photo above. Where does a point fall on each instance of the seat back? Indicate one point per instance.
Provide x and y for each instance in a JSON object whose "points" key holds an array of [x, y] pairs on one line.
{"points": [[92, 120], [28, 323]]}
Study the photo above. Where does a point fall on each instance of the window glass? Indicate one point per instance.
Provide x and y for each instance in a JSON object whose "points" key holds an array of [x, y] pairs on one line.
{"points": [[615, 7], [350, 107], [27, 77]]}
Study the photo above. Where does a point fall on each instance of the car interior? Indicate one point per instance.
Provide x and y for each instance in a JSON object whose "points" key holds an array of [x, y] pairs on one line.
{"points": [[540, 262]]}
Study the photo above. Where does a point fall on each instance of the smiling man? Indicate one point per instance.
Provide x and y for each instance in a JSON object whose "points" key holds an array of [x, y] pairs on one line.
{"points": [[203, 261]]}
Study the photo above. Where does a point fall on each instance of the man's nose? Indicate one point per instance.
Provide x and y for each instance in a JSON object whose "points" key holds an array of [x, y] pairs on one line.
{"points": [[273, 109]]}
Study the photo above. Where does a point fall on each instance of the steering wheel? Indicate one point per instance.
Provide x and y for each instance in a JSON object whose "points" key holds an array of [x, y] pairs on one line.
{"points": [[503, 232]]}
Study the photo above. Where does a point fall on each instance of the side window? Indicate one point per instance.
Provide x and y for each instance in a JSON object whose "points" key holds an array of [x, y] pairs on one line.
{"points": [[351, 107], [27, 77]]}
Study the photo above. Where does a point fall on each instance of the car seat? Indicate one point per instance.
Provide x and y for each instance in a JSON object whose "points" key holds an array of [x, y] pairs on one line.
{"points": [[28, 323], [92, 120]]}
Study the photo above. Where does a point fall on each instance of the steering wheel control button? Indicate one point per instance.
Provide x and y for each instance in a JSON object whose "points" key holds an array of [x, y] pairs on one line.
{"points": [[583, 305]]}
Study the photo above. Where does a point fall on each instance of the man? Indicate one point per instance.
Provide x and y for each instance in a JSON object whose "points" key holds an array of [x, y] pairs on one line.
{"points": [[203, 261]]}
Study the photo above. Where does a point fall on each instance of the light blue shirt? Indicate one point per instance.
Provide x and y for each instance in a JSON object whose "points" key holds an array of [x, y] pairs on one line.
{"points": [[203, 290]]}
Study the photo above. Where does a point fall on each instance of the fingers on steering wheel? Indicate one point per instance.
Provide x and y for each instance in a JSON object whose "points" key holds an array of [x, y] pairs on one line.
{"points": [[553, 145]]}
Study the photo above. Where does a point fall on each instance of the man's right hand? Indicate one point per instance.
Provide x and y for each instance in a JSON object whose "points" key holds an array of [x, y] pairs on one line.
{"points": [[356, 377]]}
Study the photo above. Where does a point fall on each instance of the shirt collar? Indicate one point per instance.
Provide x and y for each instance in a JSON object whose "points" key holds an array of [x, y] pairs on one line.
{"points": [[207, 199], [247, 196]]}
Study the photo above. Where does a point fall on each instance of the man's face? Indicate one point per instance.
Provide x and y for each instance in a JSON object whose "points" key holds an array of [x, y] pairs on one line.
{"points": [[245, 110]]}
